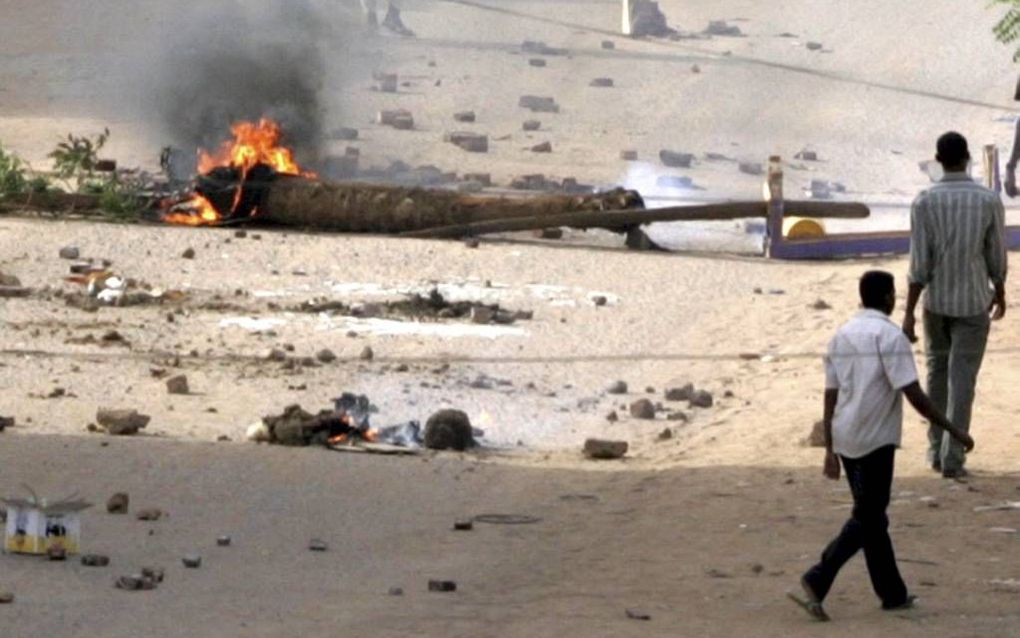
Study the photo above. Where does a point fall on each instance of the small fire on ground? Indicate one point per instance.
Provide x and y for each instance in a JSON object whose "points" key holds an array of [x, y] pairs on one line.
{"points": [[256, 145]]}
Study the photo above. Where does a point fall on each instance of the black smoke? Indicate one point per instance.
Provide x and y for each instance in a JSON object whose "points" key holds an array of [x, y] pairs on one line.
{"points": [[232, 61]]}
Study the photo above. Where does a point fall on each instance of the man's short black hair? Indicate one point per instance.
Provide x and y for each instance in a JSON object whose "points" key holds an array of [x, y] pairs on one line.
{"points": [[951, 149], [875, 288]]}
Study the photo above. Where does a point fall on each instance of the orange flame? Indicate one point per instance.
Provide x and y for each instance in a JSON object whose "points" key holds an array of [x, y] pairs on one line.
{"points": [[254, 143]]}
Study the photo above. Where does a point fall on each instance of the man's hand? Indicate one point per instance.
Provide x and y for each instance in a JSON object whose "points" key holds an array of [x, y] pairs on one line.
{"points": [[1009, 184], [964, 439], [998, 309], [832, 466], [910, 327]]}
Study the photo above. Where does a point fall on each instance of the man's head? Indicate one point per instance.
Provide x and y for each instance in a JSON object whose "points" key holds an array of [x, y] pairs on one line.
{"points": [[951, 151], [878, 291]]}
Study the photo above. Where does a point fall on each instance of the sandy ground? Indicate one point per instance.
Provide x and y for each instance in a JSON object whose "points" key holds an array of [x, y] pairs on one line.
{"points": [[733, 488]]}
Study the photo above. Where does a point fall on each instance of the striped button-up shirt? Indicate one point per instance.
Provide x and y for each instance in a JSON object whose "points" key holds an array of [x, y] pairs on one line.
{"points": [[957, 246]]}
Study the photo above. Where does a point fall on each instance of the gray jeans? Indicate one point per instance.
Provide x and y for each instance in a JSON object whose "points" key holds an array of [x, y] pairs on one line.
{"points": [[955, 348]]}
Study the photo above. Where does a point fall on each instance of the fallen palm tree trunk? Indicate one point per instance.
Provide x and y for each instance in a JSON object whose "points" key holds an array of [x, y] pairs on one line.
{"points": [[372, 208], [626, 219]]}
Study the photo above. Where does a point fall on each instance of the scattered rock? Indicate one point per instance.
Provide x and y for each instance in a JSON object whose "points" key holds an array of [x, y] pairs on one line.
{"points": [[600, 300], [485, 179], [814, 46], [722, 28], [642, 409], [665, 435], [95, 560], [122, 422], [399, 119], [674, 159], [604, 450], [151, 514], [807, 155], [386, 82], [396, 591], [155, 574], [188, 254], [367, 354], [470, 142], [635, 614], [135, 582], [192, 561], [531, 125], [683, 393], [449, 430], [6, 598], [464, 525], [325, 356], [6, 422], [119, 503], [316, 545], [539, 104], [677, 416], [442, 586], [617, 387], [177, 385], [276, 354], [608, 45], [751, 168], [464, 116], [472, 242], [821, 304], [537, 62], [70, 252], [695, 69], [702, 399], [612, 417], [602, 83], [544, 147], [223, 541], [541, 48]]}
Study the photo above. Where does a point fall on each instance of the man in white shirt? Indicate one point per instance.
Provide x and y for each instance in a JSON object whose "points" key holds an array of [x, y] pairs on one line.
{"points": [[868, 369]]}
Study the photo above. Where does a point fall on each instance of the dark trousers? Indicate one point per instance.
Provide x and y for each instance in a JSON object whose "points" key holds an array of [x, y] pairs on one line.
{"points": [[870, 479]]}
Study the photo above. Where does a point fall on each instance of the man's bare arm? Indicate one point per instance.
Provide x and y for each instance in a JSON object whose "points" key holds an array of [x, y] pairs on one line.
{"points": [[910, 319], [927, 409]]}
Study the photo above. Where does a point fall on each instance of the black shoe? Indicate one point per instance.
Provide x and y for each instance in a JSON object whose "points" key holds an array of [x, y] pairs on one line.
{"points": [[908, 603], [956, 475]]}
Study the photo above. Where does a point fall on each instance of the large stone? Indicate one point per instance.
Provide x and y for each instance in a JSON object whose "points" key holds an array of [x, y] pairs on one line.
{"points": [[674, 159], [539, 104], [70, 252], [464, 116], [399, 119], [531, 125], [122, 422], [682, 393], [449, 430], [470, 142], [702, 399], [602, 83], [721, 27], [642, 409], [544, 147], [617, 387], [604, 450], [118, 503], [177, 385], [6, 422]]}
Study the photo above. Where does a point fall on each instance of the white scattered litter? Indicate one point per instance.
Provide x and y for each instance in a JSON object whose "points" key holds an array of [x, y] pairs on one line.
{"points": [[1006, 505], [1002, 530]]}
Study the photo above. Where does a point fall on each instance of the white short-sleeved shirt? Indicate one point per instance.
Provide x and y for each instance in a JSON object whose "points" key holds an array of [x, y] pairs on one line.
{"points": [[869, 361]]}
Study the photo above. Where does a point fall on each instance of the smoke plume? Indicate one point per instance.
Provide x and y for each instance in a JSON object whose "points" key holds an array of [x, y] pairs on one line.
{"points": [[243, 61]]}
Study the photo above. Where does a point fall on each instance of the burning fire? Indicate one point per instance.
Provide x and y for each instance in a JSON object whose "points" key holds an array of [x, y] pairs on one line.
{"points": [[254, 143]]}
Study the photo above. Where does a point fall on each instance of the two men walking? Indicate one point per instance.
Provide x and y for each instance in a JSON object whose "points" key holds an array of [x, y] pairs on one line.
{"points": [[958, 257]]}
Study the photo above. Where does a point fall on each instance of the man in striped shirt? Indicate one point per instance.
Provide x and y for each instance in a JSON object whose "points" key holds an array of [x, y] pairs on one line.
{"points": [[957, 255]]}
